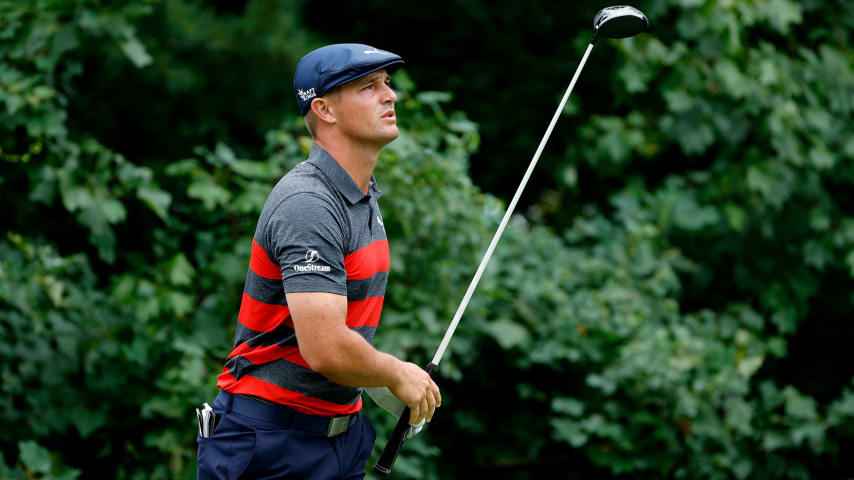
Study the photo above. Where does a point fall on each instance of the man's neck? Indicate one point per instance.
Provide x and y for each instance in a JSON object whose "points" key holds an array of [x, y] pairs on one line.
{"points": [[357, 160]]}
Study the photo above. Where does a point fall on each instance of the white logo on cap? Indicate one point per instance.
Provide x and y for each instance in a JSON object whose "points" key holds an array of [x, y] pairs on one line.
{"points": [[306, 94], [368, 52]]}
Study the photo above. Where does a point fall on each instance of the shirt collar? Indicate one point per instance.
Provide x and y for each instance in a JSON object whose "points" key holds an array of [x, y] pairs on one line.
{"points": [[375, 189], [321, 159]]}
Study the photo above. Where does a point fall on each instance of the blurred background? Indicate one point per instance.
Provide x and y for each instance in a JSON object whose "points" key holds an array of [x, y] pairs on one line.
{"points": [[673, 300]]}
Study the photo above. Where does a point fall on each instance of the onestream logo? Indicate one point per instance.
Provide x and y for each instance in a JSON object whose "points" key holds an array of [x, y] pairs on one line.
{"points": [[312, 256]]}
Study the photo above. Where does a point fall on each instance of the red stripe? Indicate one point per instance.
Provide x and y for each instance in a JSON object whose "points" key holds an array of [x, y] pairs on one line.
{"points": [[261, 354], [261, 264], [365, 313], [367, 261], [302, 403], [263, 317]]}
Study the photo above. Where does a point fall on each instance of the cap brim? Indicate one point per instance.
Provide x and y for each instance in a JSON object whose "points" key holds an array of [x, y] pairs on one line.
{"points": [[390, 65]]}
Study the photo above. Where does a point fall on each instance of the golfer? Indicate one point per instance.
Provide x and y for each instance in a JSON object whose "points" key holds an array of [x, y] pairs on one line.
{"points": [[290, 391]]}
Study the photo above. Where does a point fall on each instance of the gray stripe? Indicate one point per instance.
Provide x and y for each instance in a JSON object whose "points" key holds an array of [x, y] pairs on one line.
{"points": [[366, 332], [374, 286], [271, 292], [284, 336], [295, 378], [264, 290], [238, 366]]}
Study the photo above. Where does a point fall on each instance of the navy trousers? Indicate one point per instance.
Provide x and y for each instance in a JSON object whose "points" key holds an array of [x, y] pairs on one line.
{"points": [[249, 447]]}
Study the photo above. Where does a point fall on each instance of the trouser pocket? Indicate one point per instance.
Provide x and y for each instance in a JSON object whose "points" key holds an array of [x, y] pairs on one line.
{"points": [[227, 452]]}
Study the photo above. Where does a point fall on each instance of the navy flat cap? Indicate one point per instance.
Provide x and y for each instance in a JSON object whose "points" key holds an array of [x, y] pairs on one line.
{"points": [[327, 67]]}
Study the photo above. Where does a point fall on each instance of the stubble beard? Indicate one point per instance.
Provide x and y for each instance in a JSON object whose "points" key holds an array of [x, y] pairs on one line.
{"points": [[391, 136], [377, 134], [383, 136]]}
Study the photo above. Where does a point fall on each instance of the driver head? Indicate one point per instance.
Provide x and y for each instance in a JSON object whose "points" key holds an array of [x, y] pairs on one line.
{"points": [[619, 22]]}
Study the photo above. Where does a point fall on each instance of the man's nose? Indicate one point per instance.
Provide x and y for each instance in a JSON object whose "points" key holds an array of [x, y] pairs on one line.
{"points": [[389, 94]]}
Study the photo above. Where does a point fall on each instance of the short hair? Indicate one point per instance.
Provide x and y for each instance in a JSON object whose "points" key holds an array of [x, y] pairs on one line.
{"points": [[311, 118], [310, 122]]}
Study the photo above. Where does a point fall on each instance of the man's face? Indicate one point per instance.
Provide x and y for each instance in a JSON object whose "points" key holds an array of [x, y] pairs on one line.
{"points": [[364, 109]]}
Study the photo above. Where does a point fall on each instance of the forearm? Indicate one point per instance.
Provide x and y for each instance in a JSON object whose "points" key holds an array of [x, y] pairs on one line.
{"points": [[354, 362]]}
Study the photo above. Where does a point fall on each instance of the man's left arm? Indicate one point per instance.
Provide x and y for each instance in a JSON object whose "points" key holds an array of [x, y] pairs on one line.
{"points": [[345, 357]]}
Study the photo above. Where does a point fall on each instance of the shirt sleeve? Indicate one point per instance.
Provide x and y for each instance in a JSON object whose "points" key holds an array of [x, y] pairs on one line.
{"points": [[306, 237]]}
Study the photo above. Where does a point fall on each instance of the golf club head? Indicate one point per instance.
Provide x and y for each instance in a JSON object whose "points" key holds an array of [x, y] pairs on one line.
{"points": [[620, 21]]}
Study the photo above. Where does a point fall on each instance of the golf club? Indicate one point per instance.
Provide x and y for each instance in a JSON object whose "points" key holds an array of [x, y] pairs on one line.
{"points": [[610, 22]]}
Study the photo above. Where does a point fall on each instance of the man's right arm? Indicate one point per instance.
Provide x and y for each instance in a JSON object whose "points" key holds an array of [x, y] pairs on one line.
{"points": [[343, 356]]}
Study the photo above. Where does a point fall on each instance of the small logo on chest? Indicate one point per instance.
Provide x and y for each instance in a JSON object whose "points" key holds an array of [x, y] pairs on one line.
{"points": [[380, 221]]}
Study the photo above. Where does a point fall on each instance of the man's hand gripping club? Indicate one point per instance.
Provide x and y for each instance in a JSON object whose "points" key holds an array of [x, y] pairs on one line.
{"points": [[414, 389]]}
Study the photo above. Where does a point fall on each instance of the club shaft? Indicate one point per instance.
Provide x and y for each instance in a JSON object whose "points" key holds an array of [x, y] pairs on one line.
{"points": [[495, 238]]}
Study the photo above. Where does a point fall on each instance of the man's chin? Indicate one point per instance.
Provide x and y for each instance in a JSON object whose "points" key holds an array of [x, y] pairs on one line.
{"points": [[381, 138], [389, 135]]}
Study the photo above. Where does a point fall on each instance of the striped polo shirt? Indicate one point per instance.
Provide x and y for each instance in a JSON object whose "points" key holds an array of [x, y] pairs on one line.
{"points": [[318, 232]]}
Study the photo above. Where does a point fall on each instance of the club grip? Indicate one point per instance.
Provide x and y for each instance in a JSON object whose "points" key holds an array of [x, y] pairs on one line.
{"points": [[398, 436]]}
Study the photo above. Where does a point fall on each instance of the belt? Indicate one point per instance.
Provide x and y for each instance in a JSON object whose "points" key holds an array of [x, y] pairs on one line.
{"points": [[284, 416]]}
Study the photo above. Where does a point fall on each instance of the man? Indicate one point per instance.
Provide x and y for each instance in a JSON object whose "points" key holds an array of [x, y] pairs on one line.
{"points": [[291, 388]]}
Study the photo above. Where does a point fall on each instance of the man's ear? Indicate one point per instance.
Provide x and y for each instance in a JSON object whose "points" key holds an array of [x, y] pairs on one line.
{"points": [[323, 109]]}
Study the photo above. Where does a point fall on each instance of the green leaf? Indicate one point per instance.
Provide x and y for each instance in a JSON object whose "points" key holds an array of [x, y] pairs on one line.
{"points": [[70, 474], [181, 304], [735, 216], [849, 260], [739, 415], [606, 385], [810, 432], [35, 458], [224, 153], [568, 405], [157, 200], [748, 366], [843, 407], [731, 78], [509, 334], [112, 209], [76, 198], [87, 421], [743, 468], [136, 52], [433, 97], [568, 431], [181, 271], [183, 167], [690, 216], [693, 133], [822, 158], [211, 194], [461, 125], [798, 405], [781, 13], [774, 441], [250, 169]]}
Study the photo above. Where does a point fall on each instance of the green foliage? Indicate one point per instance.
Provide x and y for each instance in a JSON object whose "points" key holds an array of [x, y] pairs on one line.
{"points": [[650, 335], [36, 462]]}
